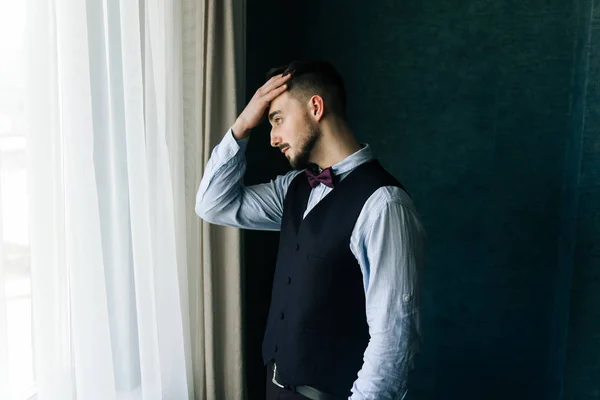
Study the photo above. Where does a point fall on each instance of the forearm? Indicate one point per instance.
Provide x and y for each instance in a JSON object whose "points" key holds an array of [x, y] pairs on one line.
{"points": [[222, 198], [240, 129], [387, 362], [221, 180]]}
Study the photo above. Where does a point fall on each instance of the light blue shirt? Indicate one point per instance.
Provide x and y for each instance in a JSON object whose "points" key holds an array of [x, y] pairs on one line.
{"points": [[388, 242]]}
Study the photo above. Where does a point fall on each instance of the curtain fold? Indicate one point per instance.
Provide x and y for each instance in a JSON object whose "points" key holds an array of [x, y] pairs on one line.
{"points": [[213, 70], [134, 297]]}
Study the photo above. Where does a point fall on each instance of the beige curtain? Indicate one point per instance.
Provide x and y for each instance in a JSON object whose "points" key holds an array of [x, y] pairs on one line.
{"points": [[213, 87]]}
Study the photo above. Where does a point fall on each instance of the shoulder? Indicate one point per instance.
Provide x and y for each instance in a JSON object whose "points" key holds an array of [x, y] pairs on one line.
{"points": [[282, 182], [288, 177], [387, 206], [388, 196]]}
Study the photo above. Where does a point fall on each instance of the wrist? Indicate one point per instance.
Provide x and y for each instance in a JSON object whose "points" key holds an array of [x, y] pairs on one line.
{"points": [[240, 130]]}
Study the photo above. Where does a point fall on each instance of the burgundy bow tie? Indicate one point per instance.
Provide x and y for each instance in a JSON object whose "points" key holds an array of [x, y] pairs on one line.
{"points": [[325, 177]]}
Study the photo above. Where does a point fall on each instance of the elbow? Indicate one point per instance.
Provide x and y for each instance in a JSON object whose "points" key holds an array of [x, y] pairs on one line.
{"points": [[203, 211], [200, 210], [215, 210]]}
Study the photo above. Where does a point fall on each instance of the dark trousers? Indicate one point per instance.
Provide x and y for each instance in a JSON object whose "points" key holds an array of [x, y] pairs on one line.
{"points": [[274, 392]]}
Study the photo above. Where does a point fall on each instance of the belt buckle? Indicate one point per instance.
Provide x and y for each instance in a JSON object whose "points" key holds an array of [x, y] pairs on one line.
{"points": [[274, 380]]}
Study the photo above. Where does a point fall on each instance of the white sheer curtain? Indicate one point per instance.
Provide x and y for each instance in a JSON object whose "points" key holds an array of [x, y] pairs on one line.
{"points": [[111, 174], [110, 315], [133, 296]]}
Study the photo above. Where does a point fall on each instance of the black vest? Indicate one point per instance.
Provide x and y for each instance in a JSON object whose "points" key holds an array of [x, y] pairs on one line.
{"points": [[317, 329]]}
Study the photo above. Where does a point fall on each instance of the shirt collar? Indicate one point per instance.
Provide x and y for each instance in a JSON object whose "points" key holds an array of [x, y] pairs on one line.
{"points": [[353, 160]]}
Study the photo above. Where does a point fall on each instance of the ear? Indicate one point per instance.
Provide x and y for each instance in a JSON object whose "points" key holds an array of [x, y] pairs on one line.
{"points": [[317, 107]]}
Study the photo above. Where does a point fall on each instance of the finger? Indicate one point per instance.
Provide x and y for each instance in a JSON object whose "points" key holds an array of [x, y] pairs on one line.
{"points": [[266, 85], [275, 82], [275, 92]]}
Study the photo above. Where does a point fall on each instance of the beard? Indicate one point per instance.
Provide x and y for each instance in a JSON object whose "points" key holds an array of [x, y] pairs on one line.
{"points": [[301, 160]]}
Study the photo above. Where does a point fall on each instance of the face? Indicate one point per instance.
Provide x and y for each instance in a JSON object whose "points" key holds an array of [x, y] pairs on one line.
{"points": [[293, 131]]}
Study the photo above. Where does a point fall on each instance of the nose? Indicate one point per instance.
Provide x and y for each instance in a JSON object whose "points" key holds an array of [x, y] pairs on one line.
{"points": [[275, 139]]}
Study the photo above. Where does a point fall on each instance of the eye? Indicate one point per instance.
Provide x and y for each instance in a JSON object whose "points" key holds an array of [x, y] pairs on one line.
{"points": [[277, 120]]}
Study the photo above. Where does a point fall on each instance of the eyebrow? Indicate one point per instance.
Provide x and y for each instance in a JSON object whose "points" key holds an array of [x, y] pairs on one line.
{"points": [[273, 114]]}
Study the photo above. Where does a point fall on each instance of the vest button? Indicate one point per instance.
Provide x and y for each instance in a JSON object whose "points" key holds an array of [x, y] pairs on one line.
{"points": [[276, 349], [297, 247], [281, 316], [289, 280]]}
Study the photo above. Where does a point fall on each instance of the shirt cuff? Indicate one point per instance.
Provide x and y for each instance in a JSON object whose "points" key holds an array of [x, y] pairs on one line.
{"points": [[230, 147]]}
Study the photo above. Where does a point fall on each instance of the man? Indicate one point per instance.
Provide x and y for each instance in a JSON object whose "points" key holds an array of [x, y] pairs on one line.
{"points": [[343, 319]]}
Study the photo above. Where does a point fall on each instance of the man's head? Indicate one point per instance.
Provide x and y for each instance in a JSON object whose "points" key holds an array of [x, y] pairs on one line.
{"points": [[315, 94]]}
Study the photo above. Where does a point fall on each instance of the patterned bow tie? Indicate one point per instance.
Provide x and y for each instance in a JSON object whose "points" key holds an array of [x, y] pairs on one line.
{"points": [[325, 177]]}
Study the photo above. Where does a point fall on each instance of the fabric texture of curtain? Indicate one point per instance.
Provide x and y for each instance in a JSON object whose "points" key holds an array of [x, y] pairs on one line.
{"points": [[133, 296]]}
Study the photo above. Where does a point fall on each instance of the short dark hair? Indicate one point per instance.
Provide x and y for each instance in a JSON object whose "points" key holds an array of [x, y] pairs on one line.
{"points": [[315, 77]]}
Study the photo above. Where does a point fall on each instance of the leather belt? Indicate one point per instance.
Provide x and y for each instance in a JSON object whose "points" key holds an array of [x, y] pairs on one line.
{"points": [[305, 390]]}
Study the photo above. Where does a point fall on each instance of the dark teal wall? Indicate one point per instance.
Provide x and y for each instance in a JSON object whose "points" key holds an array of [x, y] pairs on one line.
{"points": [[583, 333], [472, 105]]}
